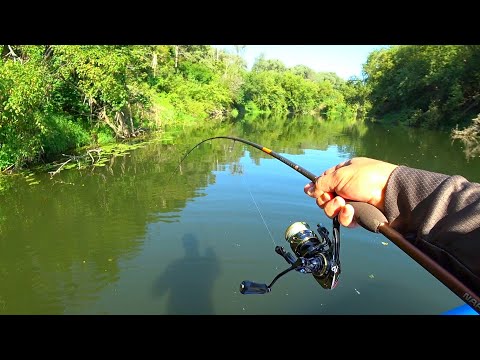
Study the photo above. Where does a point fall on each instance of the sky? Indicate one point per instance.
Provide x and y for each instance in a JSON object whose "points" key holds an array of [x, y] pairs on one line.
{"points": [[344, 60]]}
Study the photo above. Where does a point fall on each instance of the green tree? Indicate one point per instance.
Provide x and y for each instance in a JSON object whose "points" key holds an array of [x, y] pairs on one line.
{"points": [[429, 85], [25, 102], [109, 79], [331, 77], [304, 71], [261, 64], [300, 93], [264, 89]]}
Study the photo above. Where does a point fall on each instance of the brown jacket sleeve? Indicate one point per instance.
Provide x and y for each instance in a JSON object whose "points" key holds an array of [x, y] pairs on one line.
{"points": [[440, 215]]}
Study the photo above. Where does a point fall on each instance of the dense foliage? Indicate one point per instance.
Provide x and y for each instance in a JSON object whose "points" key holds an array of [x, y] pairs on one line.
{"points": [[434, 86], [56, 99]]}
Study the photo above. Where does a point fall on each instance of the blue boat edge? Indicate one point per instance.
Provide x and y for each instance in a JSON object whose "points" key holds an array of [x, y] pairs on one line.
{"points": [[461, 310]]}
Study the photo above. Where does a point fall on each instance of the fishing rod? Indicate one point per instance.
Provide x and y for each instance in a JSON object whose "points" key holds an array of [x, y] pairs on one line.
{"points": [[320, 255]]}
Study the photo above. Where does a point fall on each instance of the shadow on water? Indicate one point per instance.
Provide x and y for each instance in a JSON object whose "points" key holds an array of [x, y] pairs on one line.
{"points": [[188, 282]]}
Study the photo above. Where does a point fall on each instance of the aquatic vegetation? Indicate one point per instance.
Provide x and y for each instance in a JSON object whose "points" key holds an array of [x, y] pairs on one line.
{"points": [[93, 157]]}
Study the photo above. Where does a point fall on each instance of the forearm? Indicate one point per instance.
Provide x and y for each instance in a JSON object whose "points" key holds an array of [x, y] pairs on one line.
{"points": [[439, 214]]}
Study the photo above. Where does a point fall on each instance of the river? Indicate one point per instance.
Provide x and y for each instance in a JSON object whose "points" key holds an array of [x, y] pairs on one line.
{"points": [[138, 237]]}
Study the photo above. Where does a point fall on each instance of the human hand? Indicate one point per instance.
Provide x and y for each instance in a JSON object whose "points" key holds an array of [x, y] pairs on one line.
{"points": [[358, 179]]}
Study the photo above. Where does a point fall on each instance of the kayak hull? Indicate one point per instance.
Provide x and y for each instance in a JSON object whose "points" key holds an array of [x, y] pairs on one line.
{"points": [[461, 310]]}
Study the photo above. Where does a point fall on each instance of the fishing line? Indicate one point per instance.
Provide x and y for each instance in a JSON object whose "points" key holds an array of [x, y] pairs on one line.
{"points": [[263, 219], [230, 149]]}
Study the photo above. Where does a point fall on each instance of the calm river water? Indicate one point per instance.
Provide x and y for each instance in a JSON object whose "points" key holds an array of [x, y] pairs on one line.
{"points": [[136, 237]]}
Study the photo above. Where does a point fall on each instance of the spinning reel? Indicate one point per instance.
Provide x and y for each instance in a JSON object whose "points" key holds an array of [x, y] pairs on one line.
{"points": [[316, 255]]}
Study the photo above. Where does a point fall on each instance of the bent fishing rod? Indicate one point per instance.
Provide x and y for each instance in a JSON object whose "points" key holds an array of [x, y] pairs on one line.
{"points": [[320, 255]]}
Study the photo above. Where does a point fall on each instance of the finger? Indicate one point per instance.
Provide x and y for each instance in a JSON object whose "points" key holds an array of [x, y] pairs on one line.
{"points": [[342, 164], [345, 216], [325, 183], [324, 198], [329, 171], [333, 207], [309, 189]]}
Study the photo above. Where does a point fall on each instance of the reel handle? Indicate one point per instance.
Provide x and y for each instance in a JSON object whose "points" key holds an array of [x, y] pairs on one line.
{"points": [[250, 287], [368, 216]]}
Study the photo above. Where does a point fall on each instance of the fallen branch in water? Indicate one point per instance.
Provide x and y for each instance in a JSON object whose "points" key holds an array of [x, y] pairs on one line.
{"points": [[470, 136], [53, 173], [77, 158], [8, 168], [89, 153]]}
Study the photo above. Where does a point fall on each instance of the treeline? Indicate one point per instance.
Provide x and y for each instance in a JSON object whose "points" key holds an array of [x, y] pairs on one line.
{"points": [[435, 86], [54, 99]]}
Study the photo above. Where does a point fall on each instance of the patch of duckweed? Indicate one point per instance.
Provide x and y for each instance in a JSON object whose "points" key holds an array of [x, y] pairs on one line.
{"points": [[70, 166], [167, 140], [94, 157]]}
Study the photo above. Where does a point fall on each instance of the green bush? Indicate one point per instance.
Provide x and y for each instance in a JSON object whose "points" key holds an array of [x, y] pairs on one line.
{"points": [[104, 136], [250, 107], [62, 134], [234, 113]]}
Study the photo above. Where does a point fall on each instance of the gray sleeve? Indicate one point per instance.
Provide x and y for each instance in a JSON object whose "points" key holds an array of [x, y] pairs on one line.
{"points": [[440, 214]]}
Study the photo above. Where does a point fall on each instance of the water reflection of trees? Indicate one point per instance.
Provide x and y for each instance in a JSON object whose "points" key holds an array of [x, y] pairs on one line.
{"points": [[420, 148], [293, 135], [61, 241]]}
